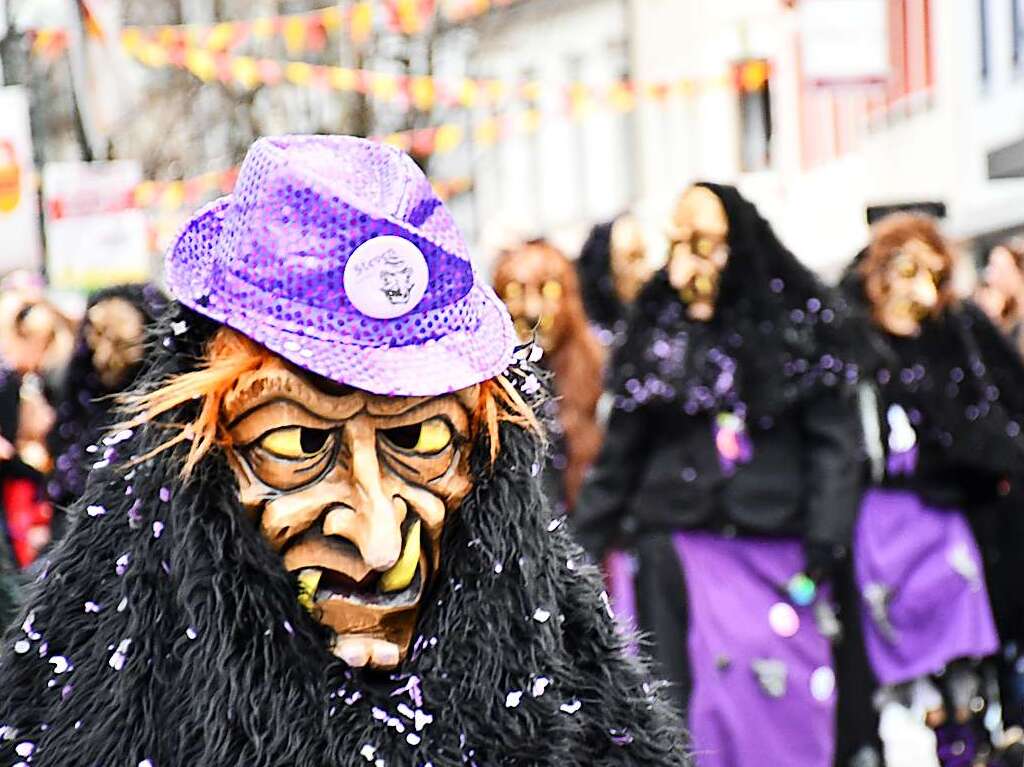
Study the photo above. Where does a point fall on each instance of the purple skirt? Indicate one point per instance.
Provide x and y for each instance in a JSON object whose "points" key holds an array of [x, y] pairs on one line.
{"points": [[763, 682], [922, 585]]}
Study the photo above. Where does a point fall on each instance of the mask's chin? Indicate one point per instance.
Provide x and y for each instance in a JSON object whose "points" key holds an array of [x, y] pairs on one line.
{"points": [[699, 295], [342, 593], [903, 318]]}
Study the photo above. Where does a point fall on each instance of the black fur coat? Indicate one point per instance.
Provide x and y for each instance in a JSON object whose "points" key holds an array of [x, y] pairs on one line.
{"points": [[164, 631]]}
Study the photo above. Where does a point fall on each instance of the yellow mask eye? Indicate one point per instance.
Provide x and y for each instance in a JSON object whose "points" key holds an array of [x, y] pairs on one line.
{"points": [[512, 290], [703, 247], [905, 266], [434, 436], [427, 437], [294, 442], [551, 290]]}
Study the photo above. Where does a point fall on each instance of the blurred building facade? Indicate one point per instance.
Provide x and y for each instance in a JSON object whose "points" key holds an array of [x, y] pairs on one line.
{"points": [[814, 157]]}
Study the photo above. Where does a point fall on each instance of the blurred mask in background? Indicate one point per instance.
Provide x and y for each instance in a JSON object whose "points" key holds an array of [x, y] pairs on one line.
{"points": [[629, 263], [542, 291], [536, 282], [908, 273], [29, 332], [115, 333], [698, 236], [1001, 292]]}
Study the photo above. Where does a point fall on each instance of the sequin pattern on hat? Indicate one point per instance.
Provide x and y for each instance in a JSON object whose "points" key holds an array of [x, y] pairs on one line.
{"points": [[270, 260]]}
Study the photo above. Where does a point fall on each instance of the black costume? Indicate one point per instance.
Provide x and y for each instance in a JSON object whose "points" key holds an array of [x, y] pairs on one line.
{"points": [[775, 360], [948, 406], [164, 631]]}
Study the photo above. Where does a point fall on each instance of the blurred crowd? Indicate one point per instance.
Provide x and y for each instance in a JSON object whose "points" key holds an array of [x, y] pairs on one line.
{"points": [[807, 498], [59, 379]]}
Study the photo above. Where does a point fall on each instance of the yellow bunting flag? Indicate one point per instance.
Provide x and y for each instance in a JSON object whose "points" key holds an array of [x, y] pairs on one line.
{"points": [[221, 36], [298, 73], [486, 132], [294, 35], [201, 63], [245, 71], [422, 92], [361, 22], [343, 79], [447, 138]]}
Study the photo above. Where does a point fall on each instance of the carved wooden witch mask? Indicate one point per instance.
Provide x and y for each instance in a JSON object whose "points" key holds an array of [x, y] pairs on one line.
{"points": [[352, 489], [698, 233]]}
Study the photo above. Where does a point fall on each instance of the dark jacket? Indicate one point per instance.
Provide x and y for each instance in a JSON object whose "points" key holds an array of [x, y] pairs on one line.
{"points": [[658, 471]]}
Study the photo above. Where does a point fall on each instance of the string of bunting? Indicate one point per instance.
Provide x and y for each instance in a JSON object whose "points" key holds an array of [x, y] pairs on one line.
{"points": [[169, 203], [170, 196], [306, 31], [423, 92]]}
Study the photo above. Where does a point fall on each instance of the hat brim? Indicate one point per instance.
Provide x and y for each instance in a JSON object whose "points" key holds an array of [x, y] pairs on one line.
{"points": [[453, 361]]}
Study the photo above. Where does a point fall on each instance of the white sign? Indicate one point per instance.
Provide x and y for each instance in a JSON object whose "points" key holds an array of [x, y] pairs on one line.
{"points": [[845, 42], [95, 236], [19, 212]]}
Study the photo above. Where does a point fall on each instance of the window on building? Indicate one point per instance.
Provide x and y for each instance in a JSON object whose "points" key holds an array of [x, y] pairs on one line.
{"points": [[910, 46], [755, 108]]}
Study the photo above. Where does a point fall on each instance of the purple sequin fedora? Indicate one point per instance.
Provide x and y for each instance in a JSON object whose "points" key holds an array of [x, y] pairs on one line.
{"points": [[335, 253]]}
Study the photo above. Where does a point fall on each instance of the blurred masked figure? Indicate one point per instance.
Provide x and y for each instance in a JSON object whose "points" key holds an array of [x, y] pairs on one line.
{"points": [[106, 360], [942, 401], [1001, 293], [730, 468], [31, 333], [613, 267], [539, 287]]}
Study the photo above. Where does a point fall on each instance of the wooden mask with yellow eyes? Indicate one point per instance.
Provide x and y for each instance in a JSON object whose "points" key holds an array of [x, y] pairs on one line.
{"points": [[907, 273], [698, 234], [352, 489], [538, 285]]}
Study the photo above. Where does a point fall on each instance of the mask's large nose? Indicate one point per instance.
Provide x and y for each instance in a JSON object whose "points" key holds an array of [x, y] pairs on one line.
{"points": [[373, 522], [925, 293]]}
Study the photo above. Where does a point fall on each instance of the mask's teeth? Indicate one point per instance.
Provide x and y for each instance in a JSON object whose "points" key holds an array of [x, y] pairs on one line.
{"points": [[404, 570], [309, 579]]}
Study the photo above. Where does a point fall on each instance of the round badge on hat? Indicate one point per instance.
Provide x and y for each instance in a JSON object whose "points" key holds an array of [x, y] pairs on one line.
{"points": [[386, 277]]}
